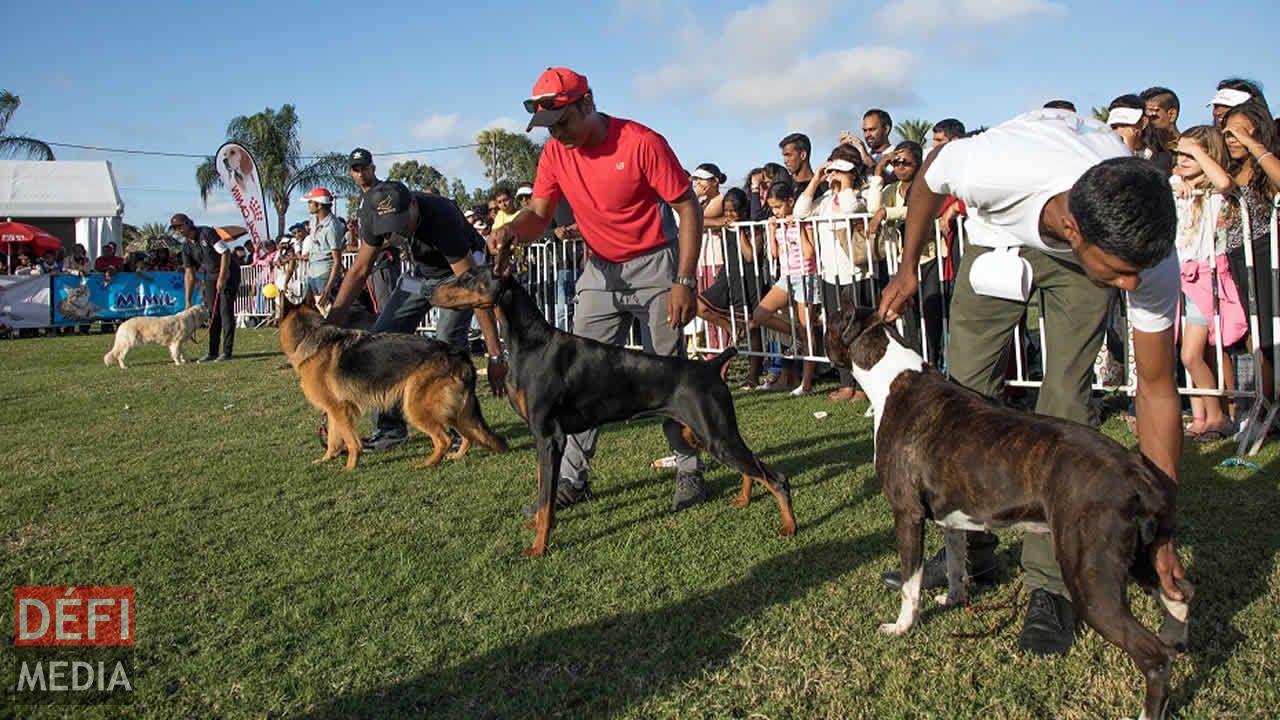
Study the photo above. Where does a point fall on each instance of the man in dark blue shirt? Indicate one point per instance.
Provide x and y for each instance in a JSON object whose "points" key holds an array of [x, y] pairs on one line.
{"points": [[203, 250]]}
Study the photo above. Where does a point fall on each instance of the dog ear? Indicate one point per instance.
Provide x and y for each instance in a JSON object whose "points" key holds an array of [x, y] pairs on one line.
{"points": [[859, 320]]}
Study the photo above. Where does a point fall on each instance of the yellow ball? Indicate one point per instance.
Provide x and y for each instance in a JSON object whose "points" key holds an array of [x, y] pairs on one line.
{"points": [[270, 291]]}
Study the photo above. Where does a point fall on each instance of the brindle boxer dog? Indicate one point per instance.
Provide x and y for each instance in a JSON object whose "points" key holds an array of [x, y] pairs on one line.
{"points": [[947, 454]]}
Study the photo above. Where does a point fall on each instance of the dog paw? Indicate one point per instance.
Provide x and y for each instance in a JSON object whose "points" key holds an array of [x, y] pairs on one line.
{"points": [[787, 531], [946, 600], [894, 629], [740, 501], [534, 551]]}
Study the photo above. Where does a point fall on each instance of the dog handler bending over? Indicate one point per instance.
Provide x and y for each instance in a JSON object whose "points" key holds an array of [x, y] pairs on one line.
{"points": [[440, 241], [614, 172], [1057, 199], [204, 250]]}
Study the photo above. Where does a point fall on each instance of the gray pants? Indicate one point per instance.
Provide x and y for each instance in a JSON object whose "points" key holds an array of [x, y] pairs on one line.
{"points": [[610, 296], [981, 329], [402, 313]]}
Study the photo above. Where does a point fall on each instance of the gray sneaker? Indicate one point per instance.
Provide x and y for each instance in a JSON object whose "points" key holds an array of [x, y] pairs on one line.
{"points": [[690, 491], [380, 441]]}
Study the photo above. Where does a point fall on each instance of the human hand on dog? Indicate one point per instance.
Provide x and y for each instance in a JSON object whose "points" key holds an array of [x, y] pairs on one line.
{"points": [[497, 374], [500, 244], [896, 294], [1168, 567], [681, 306]]}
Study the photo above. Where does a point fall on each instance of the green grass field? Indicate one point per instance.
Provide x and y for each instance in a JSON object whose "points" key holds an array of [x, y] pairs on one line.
{"points": [[269, 587]]}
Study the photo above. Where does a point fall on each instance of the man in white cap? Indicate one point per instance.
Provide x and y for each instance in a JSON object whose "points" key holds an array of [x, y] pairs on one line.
{"points": [[324, 262]]}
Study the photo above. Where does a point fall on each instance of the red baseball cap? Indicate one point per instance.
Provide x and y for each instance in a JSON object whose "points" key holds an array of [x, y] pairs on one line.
{"points": [[319, 195], [556, 89]]}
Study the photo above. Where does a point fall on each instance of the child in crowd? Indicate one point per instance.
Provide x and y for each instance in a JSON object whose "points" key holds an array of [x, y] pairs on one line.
{"points": [[791, 242], [737, 286], [1198, 181]]}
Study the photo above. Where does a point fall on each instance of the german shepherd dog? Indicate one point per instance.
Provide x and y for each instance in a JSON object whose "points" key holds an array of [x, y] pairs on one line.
{"points": [[346, 373]]}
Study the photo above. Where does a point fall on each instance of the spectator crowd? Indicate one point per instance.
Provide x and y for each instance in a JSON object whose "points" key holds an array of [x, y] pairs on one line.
{"points": [[799, 235]]}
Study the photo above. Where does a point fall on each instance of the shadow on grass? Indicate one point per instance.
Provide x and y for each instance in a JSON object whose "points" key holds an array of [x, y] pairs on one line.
{"points": [[1231, 525], [604, 667]]}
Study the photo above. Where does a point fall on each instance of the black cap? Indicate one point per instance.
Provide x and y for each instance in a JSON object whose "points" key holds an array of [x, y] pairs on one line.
{"points": [[360, 156], [383, 209]]}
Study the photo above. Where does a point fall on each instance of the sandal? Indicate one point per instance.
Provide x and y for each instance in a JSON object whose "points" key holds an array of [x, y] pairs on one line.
{"points": [[1225, 432], [1196, 427], [844, 394]]}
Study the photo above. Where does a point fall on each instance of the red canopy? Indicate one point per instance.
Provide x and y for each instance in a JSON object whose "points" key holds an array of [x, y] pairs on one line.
{"points": [[16, 233]]}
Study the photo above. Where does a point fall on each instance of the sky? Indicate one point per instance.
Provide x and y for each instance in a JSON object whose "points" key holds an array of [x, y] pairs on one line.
{"points": [[722, 81]]}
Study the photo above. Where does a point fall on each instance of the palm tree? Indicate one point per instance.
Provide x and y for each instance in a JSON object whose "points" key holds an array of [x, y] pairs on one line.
{"points": [[16, 145], [916, 131], [272, 137], [1101, 113]]}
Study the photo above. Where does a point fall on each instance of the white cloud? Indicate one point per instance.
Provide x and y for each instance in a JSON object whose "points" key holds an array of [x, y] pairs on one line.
{"points": [[923, 16], [767, 68], [436, 125], [856, 76], [505, 122]]}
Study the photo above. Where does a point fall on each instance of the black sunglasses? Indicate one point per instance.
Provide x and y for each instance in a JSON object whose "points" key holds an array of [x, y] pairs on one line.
{"points": [[533, 105]]}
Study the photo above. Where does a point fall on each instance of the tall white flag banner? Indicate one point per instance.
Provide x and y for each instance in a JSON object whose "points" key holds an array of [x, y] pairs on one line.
{"points": [[239, 172]]}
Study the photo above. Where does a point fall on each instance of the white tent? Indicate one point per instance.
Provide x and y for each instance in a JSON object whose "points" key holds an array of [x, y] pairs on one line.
{"points": [[81, 192]]}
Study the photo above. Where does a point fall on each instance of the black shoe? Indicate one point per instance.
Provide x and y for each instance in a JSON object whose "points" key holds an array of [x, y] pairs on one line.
{"points": [[1050, 625], [690, 491], [383, 441], [207, 358], [982, 566], [223, 357], [567, 495]]}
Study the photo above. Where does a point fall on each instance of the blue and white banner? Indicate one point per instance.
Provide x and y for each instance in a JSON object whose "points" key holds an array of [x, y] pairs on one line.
{"points": [[118, 296]]}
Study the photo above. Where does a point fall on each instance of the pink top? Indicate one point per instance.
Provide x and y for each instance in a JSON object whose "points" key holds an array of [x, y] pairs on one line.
{"points": [[791, 260]]}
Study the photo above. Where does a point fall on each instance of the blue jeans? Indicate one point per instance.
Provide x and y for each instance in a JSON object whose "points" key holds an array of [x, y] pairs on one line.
{"points": [[403, 313], [566, 283]]}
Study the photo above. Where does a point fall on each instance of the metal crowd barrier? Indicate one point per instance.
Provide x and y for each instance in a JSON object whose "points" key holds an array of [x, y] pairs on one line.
{"points": [[550, 269]]}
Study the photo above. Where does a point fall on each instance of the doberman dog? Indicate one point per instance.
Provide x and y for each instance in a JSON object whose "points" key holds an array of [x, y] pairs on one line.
{"points": [[563, 384]]}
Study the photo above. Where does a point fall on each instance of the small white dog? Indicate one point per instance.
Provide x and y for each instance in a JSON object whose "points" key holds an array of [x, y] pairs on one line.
{"points": [[172, 331]]}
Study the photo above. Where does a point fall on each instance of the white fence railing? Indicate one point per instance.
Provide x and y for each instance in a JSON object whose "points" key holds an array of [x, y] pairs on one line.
{"points": [[846, 261]]}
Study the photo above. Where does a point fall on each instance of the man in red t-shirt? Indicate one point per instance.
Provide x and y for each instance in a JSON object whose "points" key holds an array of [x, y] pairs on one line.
{"points": [[615, 173], [108, 261]]}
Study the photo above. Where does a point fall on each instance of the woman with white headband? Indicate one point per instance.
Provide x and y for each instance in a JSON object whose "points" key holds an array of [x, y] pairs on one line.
{"points": [[843, 258], [1127, 115], [1231, 93], [706, 180]]}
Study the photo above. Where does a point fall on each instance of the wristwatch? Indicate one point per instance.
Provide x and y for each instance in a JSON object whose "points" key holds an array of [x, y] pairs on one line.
{"points": [[499, 358], [688, 281]]}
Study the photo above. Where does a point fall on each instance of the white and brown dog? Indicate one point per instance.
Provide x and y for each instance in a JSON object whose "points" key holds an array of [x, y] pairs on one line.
{"points": [[172, 330], [947, 454]]}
